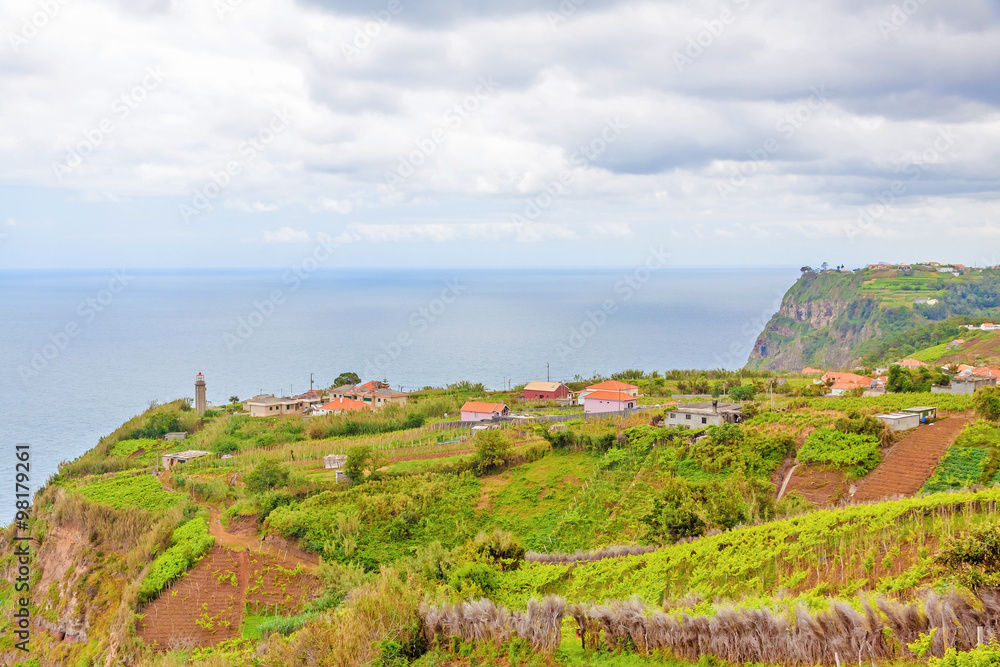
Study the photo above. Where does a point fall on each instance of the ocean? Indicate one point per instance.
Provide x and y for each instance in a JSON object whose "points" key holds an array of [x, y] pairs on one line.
{"points": [[86, 350]]}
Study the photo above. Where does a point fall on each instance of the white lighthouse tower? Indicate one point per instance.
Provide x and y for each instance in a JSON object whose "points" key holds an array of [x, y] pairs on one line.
{"points": [[199, 393]]}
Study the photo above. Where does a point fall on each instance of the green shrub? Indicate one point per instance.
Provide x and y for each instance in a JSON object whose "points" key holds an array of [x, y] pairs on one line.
{"points": [[493, 452], [189, 543], [474, 579], [856, 454], [974, 560], [266, 475], [500, 548], [986, 402]]}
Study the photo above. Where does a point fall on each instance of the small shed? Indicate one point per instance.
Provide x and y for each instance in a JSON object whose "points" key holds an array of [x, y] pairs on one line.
{"points": [[170, 460], [334, 461], [925, 412], [900, 421], [342, 477], [178, 435]]}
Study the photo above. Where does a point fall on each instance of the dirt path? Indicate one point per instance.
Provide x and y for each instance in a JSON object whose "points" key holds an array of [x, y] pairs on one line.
{"points": [[911, 461], [284, 552]]}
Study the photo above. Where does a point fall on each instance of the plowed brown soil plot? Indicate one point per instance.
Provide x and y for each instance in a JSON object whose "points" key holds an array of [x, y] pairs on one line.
{"points": [[281, 585], [911, 461], [206, 607], [201, 609], [820, 487]]}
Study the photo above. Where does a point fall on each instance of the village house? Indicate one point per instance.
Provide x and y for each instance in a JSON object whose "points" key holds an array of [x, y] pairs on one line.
{"points": [[615, 386], [377, 394], [706, 413], [843, 383], [474, 411], [534, 391], [310, 399], [965, 385], [598, 401], [911, 363], [170, 460], [272, 406]]}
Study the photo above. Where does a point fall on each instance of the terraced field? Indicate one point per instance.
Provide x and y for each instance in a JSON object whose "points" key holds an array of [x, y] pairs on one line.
{"points": [[911, 461], [207, 606]]}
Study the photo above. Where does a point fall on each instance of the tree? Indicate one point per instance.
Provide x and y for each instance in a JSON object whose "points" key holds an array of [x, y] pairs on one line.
{"points": [[493, 451], [234, 399], [266, 475], [986, 401], [743, 392], [674, 515], [360, 459], [346, 378]]}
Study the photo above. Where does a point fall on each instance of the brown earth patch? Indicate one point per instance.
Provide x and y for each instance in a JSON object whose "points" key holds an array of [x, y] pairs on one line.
{"points": [[202, 608], [206, 606], [819, 486]]}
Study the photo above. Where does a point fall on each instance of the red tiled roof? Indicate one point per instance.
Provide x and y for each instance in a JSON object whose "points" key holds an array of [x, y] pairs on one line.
{"points": [[912, 363], [853, 378], [474, 406], [345, 404], [609, 396], [611, 385]]}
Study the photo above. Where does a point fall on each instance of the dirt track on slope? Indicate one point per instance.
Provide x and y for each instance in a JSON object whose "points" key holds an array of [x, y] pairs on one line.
{"points": [[911, 461]]}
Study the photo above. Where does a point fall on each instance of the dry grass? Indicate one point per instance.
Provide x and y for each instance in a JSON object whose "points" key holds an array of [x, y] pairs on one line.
{"points": [[758, 635], [587, 556], [482, 620]]}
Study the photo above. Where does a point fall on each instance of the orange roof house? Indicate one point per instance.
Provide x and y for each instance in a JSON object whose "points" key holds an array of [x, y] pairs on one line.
{"points": [[850, 378], [912, 363], [344, 405], [374, 384], [615, 386], [474, 411]]}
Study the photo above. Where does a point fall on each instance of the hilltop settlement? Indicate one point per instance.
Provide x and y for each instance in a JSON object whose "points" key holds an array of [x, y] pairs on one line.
{"points": [[833, 501]]}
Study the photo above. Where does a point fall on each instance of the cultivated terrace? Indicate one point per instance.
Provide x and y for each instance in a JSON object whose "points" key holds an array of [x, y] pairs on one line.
{"points": [[592, 540]]}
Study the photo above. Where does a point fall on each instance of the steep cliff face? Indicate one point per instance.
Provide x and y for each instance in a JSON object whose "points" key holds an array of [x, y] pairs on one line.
{"points": [[821, 322]]}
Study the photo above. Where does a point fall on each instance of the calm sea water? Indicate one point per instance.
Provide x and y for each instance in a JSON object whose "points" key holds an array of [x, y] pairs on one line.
{"points": [[84, 351]]}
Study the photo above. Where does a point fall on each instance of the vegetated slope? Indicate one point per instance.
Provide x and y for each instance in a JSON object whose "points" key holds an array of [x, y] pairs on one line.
{"points": [[911, 461], [981, 348], [834, 320], [886, 547]]}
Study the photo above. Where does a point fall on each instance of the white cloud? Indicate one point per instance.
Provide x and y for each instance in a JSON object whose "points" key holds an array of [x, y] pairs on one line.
{"points": [[351, 123], [11, 222], [529, 232], [286, 235], [343, 207], [251, 207]]}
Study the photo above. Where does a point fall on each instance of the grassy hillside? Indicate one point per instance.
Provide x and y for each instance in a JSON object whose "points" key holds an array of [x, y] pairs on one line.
{"points": [[450, 548], [838, 319]]}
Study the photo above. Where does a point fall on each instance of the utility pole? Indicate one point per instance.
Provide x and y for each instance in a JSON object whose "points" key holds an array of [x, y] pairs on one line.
{"points": [[310, 382], [548, 378]]}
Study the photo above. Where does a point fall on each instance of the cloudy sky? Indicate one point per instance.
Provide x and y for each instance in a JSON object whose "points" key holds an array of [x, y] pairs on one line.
{"points": [[229, 133]]}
